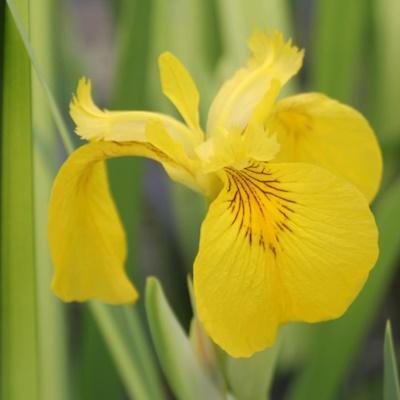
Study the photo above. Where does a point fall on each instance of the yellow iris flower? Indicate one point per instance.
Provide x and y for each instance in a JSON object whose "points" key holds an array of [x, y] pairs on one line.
{"points": [[288, 236]]}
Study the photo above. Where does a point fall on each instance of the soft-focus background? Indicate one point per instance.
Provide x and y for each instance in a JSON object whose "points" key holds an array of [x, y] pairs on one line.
{"points": [[352, 54]]}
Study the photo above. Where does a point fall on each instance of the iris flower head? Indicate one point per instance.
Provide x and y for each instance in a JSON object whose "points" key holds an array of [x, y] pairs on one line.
{"points": [[288, 235]]}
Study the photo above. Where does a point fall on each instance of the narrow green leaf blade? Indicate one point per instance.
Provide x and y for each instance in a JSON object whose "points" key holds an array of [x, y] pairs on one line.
{"points": [[251, 378], [125, 349], [94, 364], [387, 63], [339, 31], [19, 345], [391, 385], [55, 111], [180, 365], [238, 19], [54, 372]]}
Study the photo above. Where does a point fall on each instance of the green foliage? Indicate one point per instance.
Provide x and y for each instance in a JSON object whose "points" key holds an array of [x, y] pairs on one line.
{"points": [[251, 378], [386, 60], [183, 371], [122, 332], [19, 342], [391, 385], [52, 334], [339, 32]]}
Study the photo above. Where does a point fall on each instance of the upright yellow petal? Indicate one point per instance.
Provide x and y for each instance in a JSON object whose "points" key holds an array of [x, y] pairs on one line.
{"points": [[183, 169], [179, 87], [316, 129], [86, 238], [282, 242], [237, 149], [95, 124], [272, 59]]}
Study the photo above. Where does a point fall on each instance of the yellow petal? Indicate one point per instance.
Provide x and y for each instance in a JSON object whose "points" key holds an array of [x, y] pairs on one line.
{"points": [[182, 169], [179, 87], [272, 59], [95, 124], [261, 146], [314, 128], [264, 107], [236, 149], [282, 242], [86, 238]]}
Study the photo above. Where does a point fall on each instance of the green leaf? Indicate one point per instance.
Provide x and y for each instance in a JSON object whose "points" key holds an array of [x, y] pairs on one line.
{"points": [[336, 343], [121, 330], [387, 63], [338, 36], [185, 28], [391, 385], [51, 312], [183, 371], [19, 346], [55, 111], [238, 19], [94, 364], [251, 378]]}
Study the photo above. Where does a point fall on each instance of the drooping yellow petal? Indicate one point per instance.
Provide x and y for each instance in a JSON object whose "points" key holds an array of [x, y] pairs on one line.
{"points": [[179, 87], [316, 129], [95, 124], [272, 59], [282, 242], [86, 238]]}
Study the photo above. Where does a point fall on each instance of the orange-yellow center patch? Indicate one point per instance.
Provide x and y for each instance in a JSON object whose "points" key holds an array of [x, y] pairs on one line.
{"points": [[260, 207]]}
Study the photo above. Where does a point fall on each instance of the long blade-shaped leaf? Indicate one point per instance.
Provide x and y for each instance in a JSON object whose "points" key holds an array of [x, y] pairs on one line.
{"points": [[181, 367], [19, 346], [126, 351], [387, 63], [57, 115], [94, 364], [391, 385], [238, 19], [51, 315], [251, 378], [338, 36]]}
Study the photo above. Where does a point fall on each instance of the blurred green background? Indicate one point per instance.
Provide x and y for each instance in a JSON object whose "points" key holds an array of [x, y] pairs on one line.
{"points": [[54, 351]]}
